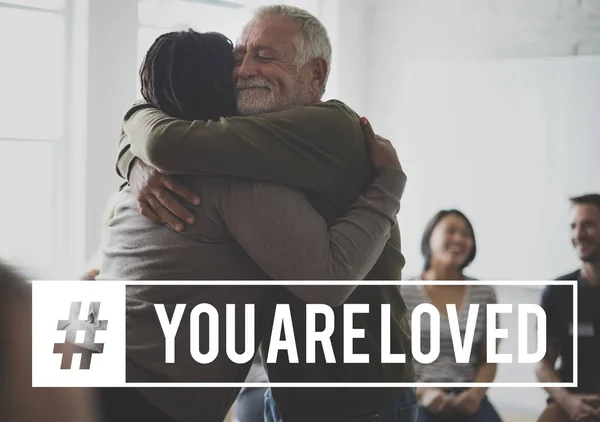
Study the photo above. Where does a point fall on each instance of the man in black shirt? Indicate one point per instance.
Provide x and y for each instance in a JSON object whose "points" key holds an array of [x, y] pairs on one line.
{"points": [[581, 403]]}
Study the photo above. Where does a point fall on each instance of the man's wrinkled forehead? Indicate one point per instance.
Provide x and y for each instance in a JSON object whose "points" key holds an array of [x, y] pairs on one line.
{"points": [[273, 33], [588, 212]]}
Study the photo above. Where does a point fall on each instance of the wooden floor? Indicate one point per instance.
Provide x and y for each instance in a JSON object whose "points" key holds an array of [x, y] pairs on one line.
{"points": [[513, 417]]}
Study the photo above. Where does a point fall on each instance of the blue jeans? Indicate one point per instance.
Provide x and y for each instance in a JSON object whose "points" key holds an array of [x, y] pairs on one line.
{"points": [[485, 413], [250, 404], [402, 409], [271, 410]]}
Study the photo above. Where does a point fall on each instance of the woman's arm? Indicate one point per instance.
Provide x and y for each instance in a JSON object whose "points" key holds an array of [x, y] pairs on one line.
{"points": [[485, 373], [289, 240], [469, 400], [312, 147]]}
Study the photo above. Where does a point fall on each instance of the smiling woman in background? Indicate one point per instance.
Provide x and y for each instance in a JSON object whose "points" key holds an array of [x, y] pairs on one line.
{"points": [[448, 247]]}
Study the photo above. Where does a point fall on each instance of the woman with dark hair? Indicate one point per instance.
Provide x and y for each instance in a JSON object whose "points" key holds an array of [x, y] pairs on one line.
{"points": [[448, 247], [187, 75]]}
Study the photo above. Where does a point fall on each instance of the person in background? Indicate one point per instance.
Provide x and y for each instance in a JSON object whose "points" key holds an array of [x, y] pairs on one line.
{"points": [[448, 247], [581, 403], [19, 401]]}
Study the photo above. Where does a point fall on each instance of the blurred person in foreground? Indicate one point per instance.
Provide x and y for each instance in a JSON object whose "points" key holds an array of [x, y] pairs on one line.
{"points": [[19, 401], [448, 247], [581, 403]]}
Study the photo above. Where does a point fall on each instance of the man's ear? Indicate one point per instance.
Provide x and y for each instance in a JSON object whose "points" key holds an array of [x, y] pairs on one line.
{"points": [[319, 70]]}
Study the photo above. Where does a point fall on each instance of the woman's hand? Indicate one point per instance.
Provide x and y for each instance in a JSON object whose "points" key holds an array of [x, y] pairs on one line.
{"points": [[381, 150], [467, 402], [434, 400], [90, 274]]}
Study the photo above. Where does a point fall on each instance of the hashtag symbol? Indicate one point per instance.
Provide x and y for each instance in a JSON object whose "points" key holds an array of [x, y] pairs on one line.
{"points": [[71, 327]]}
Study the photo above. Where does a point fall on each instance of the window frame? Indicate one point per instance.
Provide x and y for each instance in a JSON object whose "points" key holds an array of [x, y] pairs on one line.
{"points": [[61, 213]]}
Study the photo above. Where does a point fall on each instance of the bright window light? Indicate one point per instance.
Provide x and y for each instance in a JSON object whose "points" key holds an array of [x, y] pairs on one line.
{"points": [[27, 222], [159, 16], [32, 74], [42, 4], [185, 14]]}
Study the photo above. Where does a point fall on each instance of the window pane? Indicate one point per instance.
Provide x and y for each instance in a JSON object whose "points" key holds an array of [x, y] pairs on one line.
{"points": [[154, 12], [26, 215], [146, 37], [32, 74], [201, 17], [42, 4]]}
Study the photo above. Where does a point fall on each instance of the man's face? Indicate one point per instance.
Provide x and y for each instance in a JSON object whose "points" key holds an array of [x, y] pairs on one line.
{"points": [[585, 231], [266, 76]]}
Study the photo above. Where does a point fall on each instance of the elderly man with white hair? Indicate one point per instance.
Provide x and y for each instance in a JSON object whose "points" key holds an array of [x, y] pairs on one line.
{"points": [[289, 137]]}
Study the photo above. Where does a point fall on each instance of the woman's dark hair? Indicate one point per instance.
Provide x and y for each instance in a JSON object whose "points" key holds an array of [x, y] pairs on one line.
{"points": [[188, 75], [430, 227]]}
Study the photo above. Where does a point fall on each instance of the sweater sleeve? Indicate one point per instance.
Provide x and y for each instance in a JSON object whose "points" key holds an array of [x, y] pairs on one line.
{"points": [[289, 240], [310, 147]]}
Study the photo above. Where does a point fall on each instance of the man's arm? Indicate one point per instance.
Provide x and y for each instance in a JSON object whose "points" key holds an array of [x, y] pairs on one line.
{"points": [[577, 406], [289, 240], [308, 147], [125, 157], [546, 373], [545, 370]]}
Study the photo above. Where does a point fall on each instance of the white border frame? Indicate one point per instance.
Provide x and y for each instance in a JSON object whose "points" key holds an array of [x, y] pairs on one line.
{"points": [[572, 283]]}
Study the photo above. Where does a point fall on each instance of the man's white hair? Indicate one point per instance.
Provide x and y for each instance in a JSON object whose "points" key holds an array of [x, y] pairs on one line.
{"points": [[313, 41]]}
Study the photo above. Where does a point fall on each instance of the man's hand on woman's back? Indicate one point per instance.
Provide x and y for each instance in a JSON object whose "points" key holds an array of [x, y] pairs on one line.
{"points": [[154, 192]]}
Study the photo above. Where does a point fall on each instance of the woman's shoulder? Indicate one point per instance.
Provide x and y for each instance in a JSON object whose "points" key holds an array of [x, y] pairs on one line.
{"points": [[483, 293], [412, 293], [338, 105]]}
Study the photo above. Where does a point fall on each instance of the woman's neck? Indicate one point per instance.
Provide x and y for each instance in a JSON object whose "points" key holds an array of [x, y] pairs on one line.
{"points": [[441, 272]]}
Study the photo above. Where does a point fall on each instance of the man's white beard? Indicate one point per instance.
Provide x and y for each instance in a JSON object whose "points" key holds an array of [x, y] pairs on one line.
{"points": [[256, 96]]}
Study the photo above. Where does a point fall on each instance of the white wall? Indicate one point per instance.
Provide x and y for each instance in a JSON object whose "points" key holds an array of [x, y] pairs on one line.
{"points": [[112, 62], [506, 140], [347, 25], [417, 29]]}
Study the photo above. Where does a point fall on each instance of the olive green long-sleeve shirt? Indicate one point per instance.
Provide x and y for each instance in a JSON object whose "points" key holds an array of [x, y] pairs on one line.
{"points": [[320, 149]]}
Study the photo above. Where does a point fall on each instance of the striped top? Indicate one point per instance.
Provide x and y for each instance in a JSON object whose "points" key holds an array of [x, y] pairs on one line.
{"points": [[445, 368]]}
